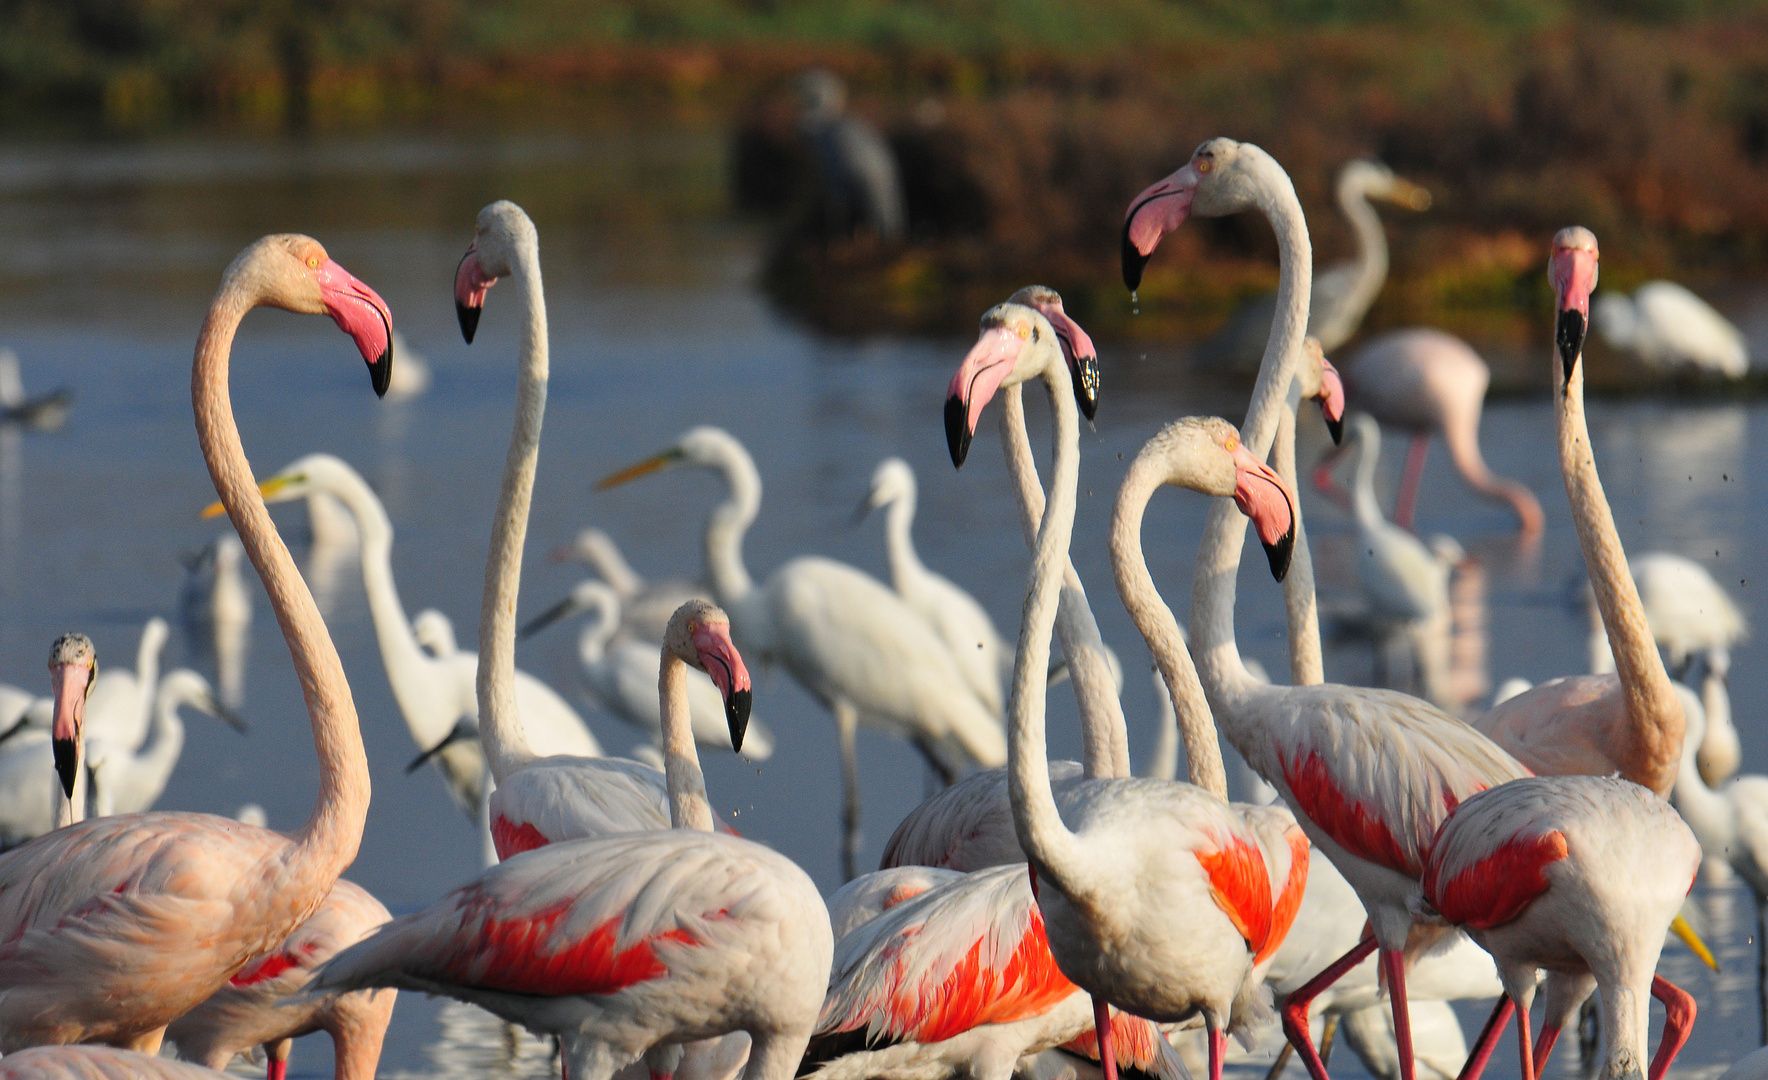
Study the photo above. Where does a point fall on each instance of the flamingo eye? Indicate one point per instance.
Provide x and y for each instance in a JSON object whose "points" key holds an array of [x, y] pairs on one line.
{"points": [[1023, 331], [313, 262], [1232, 444], [1204, 165]]}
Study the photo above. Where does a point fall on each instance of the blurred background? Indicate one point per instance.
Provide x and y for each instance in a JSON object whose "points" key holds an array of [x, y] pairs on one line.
{"points": [[784, 218]]}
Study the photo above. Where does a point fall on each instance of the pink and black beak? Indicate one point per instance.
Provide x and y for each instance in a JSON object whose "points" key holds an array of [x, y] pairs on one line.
{"points": [[721, 662], [470, 283], [360, 312], [1083, 359], [1154, 213], [1573, 270], [1263, 497], [985, 367], [71, 677], [1331, 399]]}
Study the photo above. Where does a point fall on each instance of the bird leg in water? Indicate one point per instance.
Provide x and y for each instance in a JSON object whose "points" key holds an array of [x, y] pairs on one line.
{"points": [[846, 731], [1678, 1022], [1327, 1033], [1409, 481]]}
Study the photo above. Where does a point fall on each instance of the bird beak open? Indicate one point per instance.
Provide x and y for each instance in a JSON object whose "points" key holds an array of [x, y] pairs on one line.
{"points": [[985, 367], [654, 463], [1083, 360], [1679, 926], [470, 284], [72, 682], [1262, 496], [1331, 400], [1573, 272], [720, 661], [360, 312], [1154, 213]]}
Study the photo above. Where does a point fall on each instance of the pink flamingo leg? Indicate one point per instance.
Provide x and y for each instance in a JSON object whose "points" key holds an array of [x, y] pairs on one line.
{"points": [[1218, 1050], [1544, 1045], [1102, 1027], [1393, 962], [1408, 500], [1678, 1023], [1488, 1039], [1325, 485], [277, 1068], [1295, 1008], [1522, 1044]]}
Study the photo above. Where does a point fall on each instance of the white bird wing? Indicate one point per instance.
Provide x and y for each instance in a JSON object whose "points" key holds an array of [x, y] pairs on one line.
{"points": [[29, 789], [866, 897], [1403, 579], [977, 649], [968, 826], [577, 798], [113, 709], [552, 726], [1687, 329]]}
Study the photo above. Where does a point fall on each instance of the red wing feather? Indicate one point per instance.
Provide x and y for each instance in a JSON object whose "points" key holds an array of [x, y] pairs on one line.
{"points": [[1241, 886], [1289, 900], [518, 955], [512, 839], [1497, 888]]}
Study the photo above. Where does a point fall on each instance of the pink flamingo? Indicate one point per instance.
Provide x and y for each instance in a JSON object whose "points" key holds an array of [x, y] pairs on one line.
{"points": [[1582, 876], [253, 1008], [634, 944], [73, 668], [1132, 851], [1371, 774], [113, 928], [1429, 382], [1628, 721]]}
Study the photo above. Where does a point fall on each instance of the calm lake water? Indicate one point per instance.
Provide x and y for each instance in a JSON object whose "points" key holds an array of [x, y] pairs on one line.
{"points": [[114, 251]]}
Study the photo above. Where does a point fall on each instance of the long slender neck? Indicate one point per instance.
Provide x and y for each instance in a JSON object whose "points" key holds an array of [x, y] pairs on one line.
{"points": [[725, 569], [1710, 814], [1655, 722], [1625, 1013], [500, 724], [1104, 734], [420, 686], [1218, 557], [327, 842], [1049, 845], [1301, 609], [1371, 249], [688, 805], [147, 665], [899, 521], [1135, 586], [1363, 503]]}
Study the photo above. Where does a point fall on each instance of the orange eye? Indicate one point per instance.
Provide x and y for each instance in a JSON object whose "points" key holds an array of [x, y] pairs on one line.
{"points": [[1023, 332], [313, 262], [1232, 444], [1204, 165]]}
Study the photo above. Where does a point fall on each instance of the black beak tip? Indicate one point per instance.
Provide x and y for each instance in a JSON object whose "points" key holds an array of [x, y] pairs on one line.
{"points": [[1086, 389], [957, 430], [1280, 553], [1569, 336], [1133, 261], [1335, 428], [380, 371], [736, 714], [469, 320], [67, 758]]}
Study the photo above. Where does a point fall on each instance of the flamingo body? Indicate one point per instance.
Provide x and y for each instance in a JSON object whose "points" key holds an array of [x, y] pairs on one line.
{"points": [[97, 1063]]}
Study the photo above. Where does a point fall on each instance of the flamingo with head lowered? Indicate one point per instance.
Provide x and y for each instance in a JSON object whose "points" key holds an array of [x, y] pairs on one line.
{"points": [[112, 928]]}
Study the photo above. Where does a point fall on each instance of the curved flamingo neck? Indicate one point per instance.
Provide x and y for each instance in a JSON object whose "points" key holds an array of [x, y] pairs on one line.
{"points": [[1104, 734], [1224, 675], [689, 807], [1655, 724], [1371, 263], [1152, 616], [1047, 842], [500, 723], [1307, 666], [726, 571], [328, 841]]}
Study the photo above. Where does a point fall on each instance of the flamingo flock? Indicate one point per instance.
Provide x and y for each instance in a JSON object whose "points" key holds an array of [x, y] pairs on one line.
{"points": [[1034, 917]]}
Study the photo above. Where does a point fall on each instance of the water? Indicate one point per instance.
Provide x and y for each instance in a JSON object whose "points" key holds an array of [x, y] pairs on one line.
{"points": [[114, 252]]}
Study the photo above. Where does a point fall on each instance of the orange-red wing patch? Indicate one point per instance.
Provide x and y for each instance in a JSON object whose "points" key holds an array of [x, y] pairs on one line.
{"points": [[263, 969], [1132, 1042], [1497, 888], [518, 955], [1289, 900], [1350, 824], [1241, 887], [512, 839]]}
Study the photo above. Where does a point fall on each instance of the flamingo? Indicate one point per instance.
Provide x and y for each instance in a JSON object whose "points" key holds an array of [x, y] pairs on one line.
{"points": [[1428, 382], [1582, 876], [1369, 773], [252, 1009], [97, 1063], [47, 412], [73, 664], [117, 926], [435, 693], [1670, 329], [846, 637], [1630, 722], [870, 895], [961, 622], [1404, 581], [645, 606], [633, 944], [120, 706], [1134, 850], [128, 779], [1343, 293], [622, 673]]}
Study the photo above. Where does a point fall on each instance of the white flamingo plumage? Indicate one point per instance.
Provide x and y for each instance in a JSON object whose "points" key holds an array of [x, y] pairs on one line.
{"points": [[1669, 328], [97, 1063], [254, 1009], [172, 921]]}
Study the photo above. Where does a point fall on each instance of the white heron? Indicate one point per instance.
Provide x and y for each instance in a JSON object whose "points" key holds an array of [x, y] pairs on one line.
{"points": [[120, 706], [127, 778], [645, 606], [1670, 329]]}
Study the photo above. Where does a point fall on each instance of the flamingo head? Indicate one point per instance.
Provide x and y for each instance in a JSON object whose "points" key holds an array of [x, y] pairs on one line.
{"points": [[504, 231], [73, 665], [1017, 343], [293, 272], [1572, 268], [1320, 382], [1221, 178], [1205, 454], [1077, 347], [700, 634]]}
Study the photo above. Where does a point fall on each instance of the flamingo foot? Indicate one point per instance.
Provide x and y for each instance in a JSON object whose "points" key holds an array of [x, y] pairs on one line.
{"points": [[1393, 963], [1488, 1038], [1295, 1008], [1102, 1028], [1544, 1045], [1679, 1012]]}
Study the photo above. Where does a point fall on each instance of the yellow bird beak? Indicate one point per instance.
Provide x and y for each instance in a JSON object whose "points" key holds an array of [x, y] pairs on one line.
{"points": [[266, 489], [1409, 195], [643, 468], [1679, 926]]}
